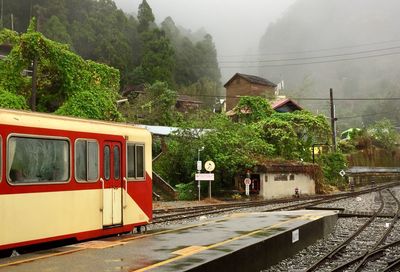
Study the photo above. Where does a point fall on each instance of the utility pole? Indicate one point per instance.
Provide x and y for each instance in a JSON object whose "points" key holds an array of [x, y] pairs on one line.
{"points": [[1, 14], [333, 120], [34, 84]]}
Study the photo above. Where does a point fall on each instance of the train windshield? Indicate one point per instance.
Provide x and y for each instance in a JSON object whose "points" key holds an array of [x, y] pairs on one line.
{"points": [[37, 160]]}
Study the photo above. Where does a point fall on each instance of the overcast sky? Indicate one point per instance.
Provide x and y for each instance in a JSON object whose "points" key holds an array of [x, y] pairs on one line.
{"points": [[235, 25]]}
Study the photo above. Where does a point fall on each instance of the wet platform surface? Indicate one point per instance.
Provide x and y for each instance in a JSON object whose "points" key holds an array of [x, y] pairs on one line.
{"points": [[239, 242]]}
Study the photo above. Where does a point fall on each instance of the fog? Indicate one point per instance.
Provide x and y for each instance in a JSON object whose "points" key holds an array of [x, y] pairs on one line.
{"points": [[236, 26], [311, 45]]}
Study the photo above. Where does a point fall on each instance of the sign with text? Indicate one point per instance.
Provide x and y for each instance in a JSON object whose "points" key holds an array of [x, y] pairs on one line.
{"points": [[204, 176], [295, 236]]}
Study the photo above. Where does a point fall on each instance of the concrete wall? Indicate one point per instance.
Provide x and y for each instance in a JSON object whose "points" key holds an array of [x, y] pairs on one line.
{"points": [[271, 188]]}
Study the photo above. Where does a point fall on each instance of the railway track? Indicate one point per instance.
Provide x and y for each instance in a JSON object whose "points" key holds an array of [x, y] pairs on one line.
{"points": [[161, 216], [358, 244], [183, 213]]}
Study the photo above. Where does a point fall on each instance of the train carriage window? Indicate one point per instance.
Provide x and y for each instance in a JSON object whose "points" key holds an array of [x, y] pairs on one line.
{"points": [[135, 161], [139, 161], [107, 162], [117, 156], [131, 161], [86, 160], [37, 160]]}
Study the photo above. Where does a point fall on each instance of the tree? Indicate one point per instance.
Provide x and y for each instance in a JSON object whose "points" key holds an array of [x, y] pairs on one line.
{"points": [[56, 30], [252, 109], [157, 62], [282, 136], [230, 145], [145, 16], [204, 90], [261, 135], [383, 133], [207, 59], [61, 71], [10, 100], [155, 107], [99, 31], [196, 59], [332, 164]]}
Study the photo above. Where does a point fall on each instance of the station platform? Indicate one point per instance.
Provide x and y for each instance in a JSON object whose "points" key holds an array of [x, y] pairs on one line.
{"points": [[238, 242]]}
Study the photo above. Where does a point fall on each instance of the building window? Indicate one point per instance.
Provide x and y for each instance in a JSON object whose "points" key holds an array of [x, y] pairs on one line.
{"points": [[281, 177], [135, 161], [86, 160], [37, 160], [291, 177]]}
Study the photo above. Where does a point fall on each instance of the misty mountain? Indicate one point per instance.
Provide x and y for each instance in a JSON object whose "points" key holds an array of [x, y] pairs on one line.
{"points": [[350, 46], [99, 31]]}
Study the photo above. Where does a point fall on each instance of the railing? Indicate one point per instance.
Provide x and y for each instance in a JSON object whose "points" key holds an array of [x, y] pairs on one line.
{"points": [[164, 186]]}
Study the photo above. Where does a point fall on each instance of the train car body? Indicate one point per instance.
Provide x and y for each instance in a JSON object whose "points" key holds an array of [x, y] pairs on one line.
{"points": [[68, 178]]}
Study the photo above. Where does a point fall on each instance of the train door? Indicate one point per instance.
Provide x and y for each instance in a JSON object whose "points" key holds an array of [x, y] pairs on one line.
{"points": [[112, 200]]}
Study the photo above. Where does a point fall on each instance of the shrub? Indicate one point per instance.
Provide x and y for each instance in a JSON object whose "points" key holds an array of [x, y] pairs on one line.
{"points": [[332, 164], [186, 191]]}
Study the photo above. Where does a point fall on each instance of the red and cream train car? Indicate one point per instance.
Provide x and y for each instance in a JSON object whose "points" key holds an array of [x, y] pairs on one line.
{"points": [[68, 178]]}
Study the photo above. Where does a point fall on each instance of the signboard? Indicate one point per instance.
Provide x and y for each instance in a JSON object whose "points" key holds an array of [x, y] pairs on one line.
{"points": [[209, 166], [247, 182], [198, 165], [295, 236], [342, 173], [204, 176]]}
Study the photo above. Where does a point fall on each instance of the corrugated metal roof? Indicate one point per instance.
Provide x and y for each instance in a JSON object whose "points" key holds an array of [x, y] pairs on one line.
{"points": [[165, 131], [365, 170], [159, 130], [280, 103]]}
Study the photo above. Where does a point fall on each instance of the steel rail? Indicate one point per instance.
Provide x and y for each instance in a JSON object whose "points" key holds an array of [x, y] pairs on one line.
{"points": [[362, 259], [346, 242], [383, 237]]}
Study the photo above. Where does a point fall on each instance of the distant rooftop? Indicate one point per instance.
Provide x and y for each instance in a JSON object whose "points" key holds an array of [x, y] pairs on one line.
{"points": [[289, 103], [252, 79], [165, 131]]}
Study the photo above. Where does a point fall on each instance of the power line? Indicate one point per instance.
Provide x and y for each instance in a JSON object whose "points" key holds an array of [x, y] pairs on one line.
{"points": [[305, 98], [312, 51], [311, 62], [316, 57], [364, 115]]}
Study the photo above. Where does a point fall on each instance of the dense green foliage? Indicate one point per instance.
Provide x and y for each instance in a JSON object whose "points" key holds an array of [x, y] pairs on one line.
{"points": [[156, 106], [380, 134], [10, 100], [332, 164], [142, 51], [66, 84], [383, 134], [252, 109], [186, 191], [240, 145]]}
